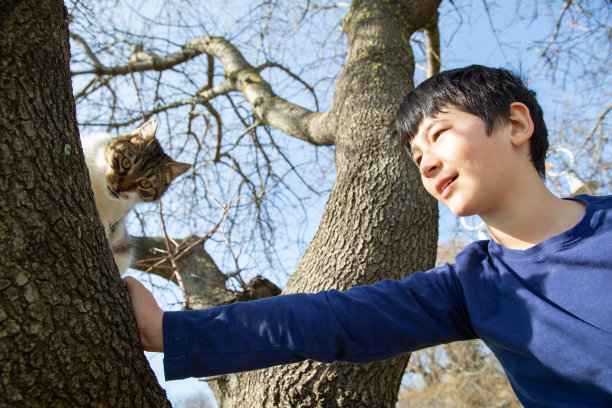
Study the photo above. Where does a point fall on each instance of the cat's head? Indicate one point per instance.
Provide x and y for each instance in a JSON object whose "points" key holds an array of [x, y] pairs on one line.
{"points": [[138, 169]]}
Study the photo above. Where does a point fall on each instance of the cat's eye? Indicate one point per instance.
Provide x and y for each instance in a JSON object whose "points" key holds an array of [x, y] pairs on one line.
{"points": [[126, 163], [144, 183]]}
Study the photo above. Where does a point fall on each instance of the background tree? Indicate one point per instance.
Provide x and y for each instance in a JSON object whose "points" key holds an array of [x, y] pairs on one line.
{"points": [[376, 210]]}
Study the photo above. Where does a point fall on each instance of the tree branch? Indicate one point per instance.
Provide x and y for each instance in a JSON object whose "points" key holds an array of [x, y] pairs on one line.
{"points": [[557, 28], [432, 34], [87, 49], [313, 127], [292, 75], [190, 50], [200, 274]]}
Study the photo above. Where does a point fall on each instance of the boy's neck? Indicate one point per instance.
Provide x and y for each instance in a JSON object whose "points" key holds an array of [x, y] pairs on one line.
{"points": [[534, 216]]}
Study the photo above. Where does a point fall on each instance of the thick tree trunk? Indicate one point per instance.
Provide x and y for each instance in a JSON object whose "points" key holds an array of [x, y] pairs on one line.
{"points": [[67, 333], [378, 223]]}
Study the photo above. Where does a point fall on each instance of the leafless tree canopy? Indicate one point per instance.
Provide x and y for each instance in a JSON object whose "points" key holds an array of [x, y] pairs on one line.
{"points": [[189, 63]]}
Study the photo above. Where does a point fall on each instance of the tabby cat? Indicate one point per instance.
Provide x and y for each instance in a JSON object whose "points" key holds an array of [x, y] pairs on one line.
{"points": [[124, 171]]}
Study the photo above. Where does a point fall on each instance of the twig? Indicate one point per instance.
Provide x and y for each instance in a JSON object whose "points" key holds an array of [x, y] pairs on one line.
{"points": [[557, 28], [432, 35]]}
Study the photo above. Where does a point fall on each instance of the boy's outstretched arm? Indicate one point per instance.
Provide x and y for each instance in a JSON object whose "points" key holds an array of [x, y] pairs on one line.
{"points": [[148, 315]]}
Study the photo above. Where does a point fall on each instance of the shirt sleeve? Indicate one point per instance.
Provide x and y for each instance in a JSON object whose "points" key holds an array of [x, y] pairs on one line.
{"points": [[361, 325]]}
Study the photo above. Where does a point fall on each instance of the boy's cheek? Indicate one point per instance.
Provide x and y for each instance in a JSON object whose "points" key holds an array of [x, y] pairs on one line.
{"points": [[429, 187]]}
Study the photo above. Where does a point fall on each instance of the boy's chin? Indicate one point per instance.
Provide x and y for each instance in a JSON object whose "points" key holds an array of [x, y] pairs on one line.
{"points": [[460, 211]]}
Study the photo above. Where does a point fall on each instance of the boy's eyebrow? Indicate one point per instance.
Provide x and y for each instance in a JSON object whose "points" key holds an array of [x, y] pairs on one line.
{"points": [[427, 127], [422, 128]]}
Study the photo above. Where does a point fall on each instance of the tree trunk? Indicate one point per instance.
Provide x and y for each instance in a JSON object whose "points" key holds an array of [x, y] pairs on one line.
{"points": [[67, 333], [378, 223]]}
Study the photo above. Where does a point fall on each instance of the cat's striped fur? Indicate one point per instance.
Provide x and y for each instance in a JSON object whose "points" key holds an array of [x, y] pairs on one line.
{"points": [[124, 171]]}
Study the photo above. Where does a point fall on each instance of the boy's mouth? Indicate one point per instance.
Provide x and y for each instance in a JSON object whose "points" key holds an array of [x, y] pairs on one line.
{"points": [[443, 184]]}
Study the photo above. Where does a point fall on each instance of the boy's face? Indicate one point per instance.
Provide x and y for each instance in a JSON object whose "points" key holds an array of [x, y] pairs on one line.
{"points": [[461, 166]]}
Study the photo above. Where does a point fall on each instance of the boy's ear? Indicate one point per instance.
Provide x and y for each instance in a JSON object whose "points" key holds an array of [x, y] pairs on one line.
{"points": [[521, 122]]}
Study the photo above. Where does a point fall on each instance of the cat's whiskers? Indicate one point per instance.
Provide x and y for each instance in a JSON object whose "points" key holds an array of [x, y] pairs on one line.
{"points": [[148, 144]]}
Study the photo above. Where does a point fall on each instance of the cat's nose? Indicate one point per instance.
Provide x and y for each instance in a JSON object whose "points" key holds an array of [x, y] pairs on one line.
{"points": [[125, 185]]}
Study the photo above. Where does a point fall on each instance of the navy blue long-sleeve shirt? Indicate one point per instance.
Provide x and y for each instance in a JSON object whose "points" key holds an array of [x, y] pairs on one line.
{"points": [[546, 313]]}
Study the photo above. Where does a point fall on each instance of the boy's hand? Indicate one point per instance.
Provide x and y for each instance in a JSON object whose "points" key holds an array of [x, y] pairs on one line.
{"points": [[148, 315]]}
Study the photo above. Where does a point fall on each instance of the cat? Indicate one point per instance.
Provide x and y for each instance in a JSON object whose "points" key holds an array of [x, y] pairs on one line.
{"points": [[126, 170]]}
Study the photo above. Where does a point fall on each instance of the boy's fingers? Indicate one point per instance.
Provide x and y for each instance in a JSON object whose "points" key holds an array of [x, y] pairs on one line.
{"points": [[149, 316], [140, 296], [137, 291], [131, 283]]}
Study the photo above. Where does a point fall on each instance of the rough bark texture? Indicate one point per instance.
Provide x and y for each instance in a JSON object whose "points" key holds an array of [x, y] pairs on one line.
{"points": [[378, 223], [67, 334]]}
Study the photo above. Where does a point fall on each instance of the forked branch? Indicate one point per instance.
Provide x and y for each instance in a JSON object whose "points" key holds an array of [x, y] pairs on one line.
{"points": [[239, 76]]}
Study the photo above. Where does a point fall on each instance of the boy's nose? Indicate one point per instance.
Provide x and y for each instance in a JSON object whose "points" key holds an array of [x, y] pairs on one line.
{"points": [[429, 165]]}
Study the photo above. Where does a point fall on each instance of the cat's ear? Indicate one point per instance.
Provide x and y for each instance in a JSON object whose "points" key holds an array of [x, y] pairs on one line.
{"points": [[147, 131], [175, 169]]}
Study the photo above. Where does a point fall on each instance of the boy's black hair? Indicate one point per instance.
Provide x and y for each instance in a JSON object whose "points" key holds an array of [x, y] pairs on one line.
{"points": [[482, 91]]}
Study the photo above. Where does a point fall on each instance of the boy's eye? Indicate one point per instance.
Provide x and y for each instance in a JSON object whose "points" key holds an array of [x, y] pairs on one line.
{"points": [[437, 135], [417, 161]]}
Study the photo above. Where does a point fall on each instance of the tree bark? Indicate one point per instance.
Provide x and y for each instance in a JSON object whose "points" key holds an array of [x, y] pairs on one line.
{"points": [[67, 333], [378, 223]]}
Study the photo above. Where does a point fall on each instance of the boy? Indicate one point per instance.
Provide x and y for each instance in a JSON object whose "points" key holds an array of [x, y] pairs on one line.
{"points": [[539, 294]]}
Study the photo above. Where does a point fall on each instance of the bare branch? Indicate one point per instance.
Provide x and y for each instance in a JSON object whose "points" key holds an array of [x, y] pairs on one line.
{"points": [[557, 28], [599, 121], [192, 49], [90, 54], [313, 127], [217, 117], [292, 75], [495, 33], [432, 34]]}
